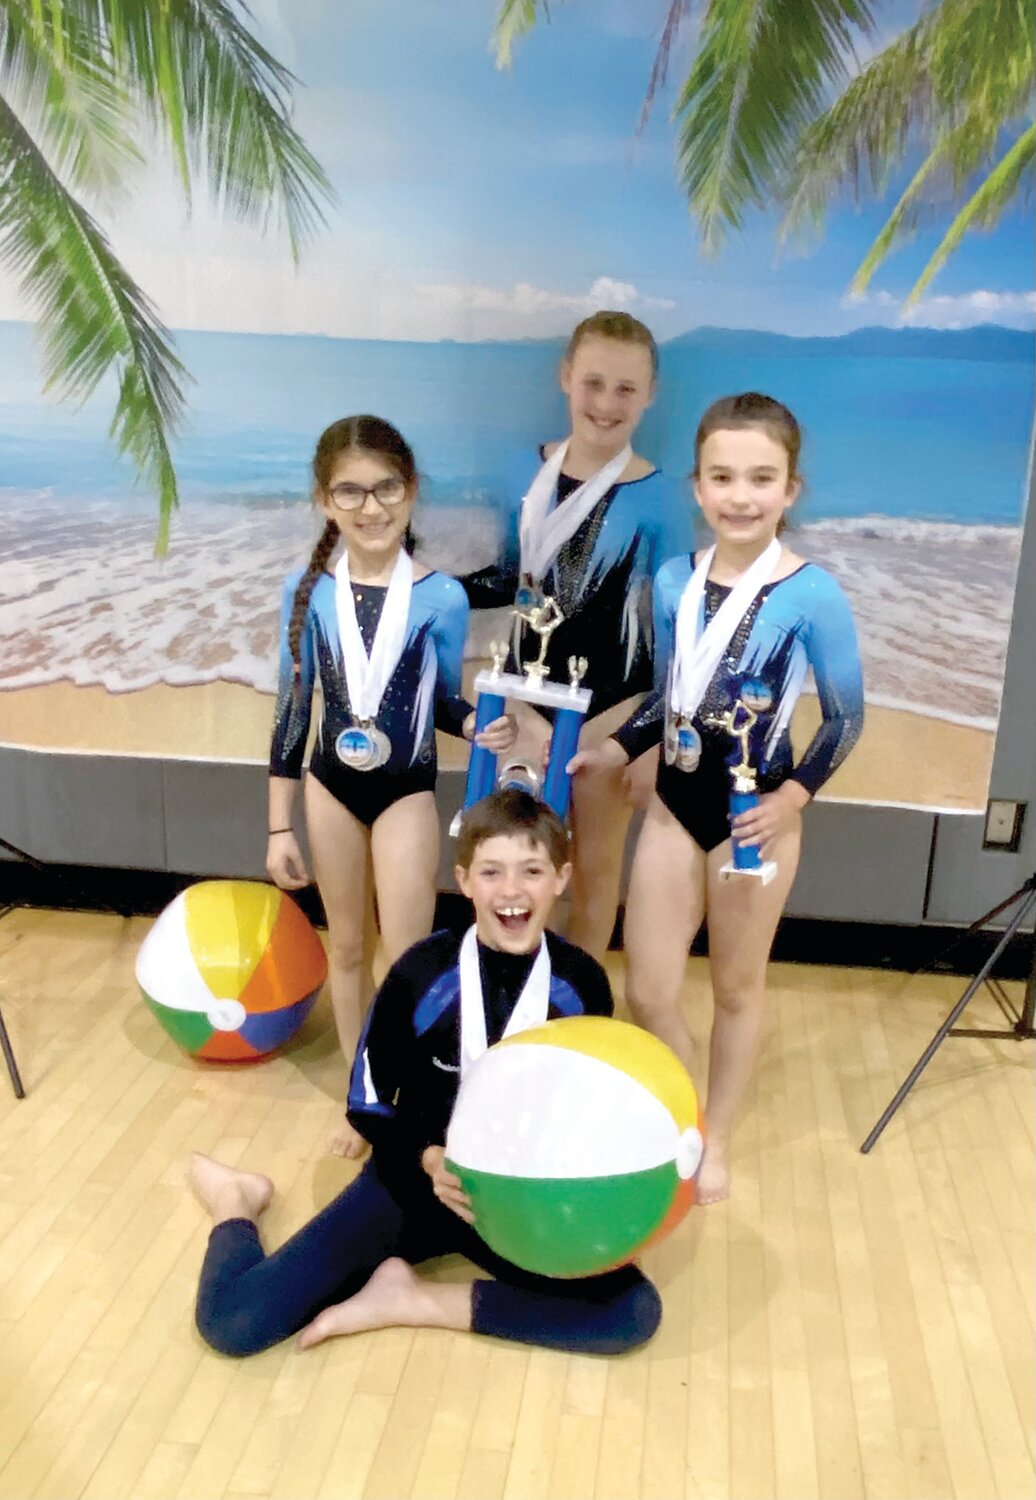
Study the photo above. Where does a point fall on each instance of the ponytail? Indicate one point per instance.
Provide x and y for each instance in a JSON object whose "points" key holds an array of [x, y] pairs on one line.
{"points": [[317, 563]]}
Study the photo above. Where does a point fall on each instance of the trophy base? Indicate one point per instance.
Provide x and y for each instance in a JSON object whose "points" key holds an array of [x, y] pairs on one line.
{"points": [[764, 873]]}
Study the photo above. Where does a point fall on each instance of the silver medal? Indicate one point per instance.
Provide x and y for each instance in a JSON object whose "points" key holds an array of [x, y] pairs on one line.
{"points": [[363, 746], [682, 744]]}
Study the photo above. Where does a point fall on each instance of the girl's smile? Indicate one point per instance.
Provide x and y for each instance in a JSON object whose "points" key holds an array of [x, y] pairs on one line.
{"points": [[376, 528], [743, 485]]}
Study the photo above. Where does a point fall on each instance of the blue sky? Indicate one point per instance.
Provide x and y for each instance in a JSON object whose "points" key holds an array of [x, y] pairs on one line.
{"points": [[477, 204]]}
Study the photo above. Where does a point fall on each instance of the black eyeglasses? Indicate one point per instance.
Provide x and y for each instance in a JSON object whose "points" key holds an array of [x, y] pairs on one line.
{"points": [[352, 496]]}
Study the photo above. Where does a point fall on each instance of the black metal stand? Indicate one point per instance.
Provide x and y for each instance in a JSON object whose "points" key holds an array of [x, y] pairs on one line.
{"points": [[1023, 1028], [5, 1042], [43, 868]]}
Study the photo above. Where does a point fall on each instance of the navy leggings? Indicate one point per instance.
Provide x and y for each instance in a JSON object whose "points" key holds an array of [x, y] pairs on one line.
{"points": [[248, 1300]]}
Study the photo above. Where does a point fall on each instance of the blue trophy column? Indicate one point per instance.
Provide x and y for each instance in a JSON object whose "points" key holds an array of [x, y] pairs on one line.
{"points": [[564, 742], [482, 765], [746, 856]]}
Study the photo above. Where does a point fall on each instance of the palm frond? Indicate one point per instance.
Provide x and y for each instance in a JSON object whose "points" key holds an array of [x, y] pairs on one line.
{"points": [[982, 58], [858, 143], [93, 317], [514, 19], [221, 100], [985, 205], [67, 94], [922, 86], [675, 17], [759, 78]]}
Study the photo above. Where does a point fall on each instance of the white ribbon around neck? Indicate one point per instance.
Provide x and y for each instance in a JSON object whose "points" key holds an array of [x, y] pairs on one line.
{"points": [[542, 531], [697, 656], [367, 677], [530, 1008]]}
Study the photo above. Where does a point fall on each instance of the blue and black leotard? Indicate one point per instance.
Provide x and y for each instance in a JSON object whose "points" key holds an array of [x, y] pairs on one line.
{"points": [[423, 693], [601, 578], [796, 623]]}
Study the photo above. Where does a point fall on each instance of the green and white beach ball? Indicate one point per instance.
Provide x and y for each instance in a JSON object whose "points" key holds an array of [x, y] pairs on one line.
{"points": [[578, 1143]]}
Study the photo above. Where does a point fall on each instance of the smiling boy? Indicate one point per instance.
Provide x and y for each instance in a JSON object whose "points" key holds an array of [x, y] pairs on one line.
{"points": [[441, 1005]]}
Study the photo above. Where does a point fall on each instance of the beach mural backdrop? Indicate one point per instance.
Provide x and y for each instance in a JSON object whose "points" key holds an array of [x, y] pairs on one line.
{"points": [[479, 215]]}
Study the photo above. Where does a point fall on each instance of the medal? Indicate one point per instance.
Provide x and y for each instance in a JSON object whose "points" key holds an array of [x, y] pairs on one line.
{"points": [[363, 746], [682, 744], [756, 695]]}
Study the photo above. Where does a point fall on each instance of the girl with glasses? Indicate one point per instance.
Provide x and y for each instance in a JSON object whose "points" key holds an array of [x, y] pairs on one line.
{"points": [[384, 637]]}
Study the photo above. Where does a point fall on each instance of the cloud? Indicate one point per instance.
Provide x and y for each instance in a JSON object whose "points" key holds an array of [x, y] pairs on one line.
{"points": [[524, 301], [963, 310]]}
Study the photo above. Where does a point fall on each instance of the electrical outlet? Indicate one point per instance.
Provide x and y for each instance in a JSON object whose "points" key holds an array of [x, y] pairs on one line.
{"points": [[1003, 825]]}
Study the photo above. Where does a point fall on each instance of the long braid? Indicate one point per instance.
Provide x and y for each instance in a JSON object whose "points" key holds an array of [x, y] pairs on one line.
{"points": [[317, 563]]}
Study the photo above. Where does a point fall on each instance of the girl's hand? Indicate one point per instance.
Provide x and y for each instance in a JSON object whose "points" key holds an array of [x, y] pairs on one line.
{"points": [[638, 781], [777, 812], [284, 863], [445, 1186], [499, 734], [608, 756]]}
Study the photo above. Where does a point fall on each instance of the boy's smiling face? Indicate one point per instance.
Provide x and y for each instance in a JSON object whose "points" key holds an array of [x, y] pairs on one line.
{"points": [[513, 886]]}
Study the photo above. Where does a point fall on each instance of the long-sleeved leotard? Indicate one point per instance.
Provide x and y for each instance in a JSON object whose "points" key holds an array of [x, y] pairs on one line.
{"points": [[423, 692], [601, 577], [794, 624]]}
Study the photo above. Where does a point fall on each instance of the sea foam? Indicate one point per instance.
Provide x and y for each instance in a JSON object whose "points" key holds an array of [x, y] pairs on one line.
{"points": [[85, 600]]}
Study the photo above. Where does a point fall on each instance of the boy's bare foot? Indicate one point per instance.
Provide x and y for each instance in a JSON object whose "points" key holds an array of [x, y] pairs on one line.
{"points": [[394, 1297], [227, 1193], [345, 1141], [714, 1173]]}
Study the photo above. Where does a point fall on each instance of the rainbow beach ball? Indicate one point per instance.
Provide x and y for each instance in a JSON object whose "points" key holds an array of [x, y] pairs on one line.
{"points": [[578, 1143], [231, 969]]}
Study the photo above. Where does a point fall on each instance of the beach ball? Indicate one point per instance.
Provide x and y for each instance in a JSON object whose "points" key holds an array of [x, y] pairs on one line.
{"points": [[231, 969], [578, 1143]]}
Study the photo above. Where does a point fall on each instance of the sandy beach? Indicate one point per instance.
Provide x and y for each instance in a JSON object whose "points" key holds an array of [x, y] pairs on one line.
{"points": [[902, 757]]}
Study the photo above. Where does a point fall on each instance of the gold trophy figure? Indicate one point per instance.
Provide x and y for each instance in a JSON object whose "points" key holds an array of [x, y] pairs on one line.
{"points": [[738, 722]]}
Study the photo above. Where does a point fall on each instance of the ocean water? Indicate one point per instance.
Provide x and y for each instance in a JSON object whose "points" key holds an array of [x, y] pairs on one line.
{"points": [[915, 468]]}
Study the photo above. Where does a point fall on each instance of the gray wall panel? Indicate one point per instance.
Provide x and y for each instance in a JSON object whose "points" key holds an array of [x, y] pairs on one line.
{"points": [[83, 809], [968, 880], [862, 864], [215, 818]]}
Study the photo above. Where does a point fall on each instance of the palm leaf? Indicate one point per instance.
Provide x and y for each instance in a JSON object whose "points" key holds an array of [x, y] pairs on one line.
{"points": [[221, 100], [67, 95], [675, 16], [760, 76], [94, 319], [515, 19], [985, 205], [858, 142], [923, 86]]}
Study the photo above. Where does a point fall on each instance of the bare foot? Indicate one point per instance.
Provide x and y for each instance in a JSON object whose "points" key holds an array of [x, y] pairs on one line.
{"points": [[227, 1193], [714, 1173], [393, 1298], [345, 1141]]}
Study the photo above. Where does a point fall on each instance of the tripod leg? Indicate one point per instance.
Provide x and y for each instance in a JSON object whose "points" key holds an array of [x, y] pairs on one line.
{"points": [[976, 984], [12, 1066]]}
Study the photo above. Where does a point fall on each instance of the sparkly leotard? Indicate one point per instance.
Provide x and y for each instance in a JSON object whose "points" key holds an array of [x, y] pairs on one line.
{"points": [[601, 577], [799, 622], [423, 692]]}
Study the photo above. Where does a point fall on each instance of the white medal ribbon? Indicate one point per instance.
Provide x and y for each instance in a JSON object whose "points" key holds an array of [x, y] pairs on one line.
{"points": [[366, 678], [697, 656], [530, 1008], [542, 531]]}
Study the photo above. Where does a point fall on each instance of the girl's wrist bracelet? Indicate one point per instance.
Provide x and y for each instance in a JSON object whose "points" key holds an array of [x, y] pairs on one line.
{"points": [[272, 831]]}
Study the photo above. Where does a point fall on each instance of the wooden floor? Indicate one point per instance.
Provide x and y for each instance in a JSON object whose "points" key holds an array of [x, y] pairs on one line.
{"points": [[846, 1326]]}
